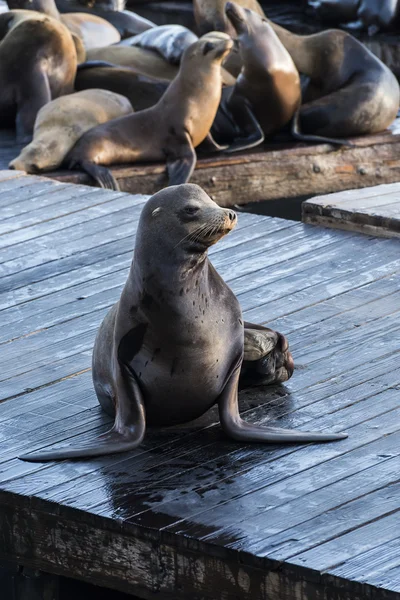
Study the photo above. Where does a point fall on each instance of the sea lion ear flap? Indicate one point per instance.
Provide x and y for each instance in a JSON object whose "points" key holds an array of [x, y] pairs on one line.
{"points": [[156, 211], [208, 47]]}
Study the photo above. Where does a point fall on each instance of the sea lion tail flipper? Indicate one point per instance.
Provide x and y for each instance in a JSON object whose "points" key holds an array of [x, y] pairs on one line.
{"points": [[318, 139], [181, 162], [234, 426], [101, 175]]}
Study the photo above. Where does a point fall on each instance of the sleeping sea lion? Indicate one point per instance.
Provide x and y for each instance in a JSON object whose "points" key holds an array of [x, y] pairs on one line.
{"points": [[170, 41], [60, 123], [353, 92], [170, 130], [37, 64], [174, 344]]}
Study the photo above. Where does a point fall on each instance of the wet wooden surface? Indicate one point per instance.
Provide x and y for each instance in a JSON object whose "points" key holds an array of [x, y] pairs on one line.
{"points": [[190, 513], [268, 173], [374, 210]]}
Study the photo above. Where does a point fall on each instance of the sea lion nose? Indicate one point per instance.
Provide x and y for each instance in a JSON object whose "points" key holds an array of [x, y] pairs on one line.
{"points": [[232, 215]]}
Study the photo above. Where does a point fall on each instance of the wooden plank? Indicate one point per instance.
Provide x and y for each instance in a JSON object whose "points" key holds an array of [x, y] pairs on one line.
{"points": [[372, 210]]}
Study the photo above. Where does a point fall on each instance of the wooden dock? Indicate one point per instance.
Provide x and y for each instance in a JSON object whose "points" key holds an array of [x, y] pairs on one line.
{"points": [[274, 171], [191, 514], [374, 210]]}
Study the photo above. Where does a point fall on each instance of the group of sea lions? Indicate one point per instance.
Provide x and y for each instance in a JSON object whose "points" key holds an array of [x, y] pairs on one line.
{"points": [[244, 80]]}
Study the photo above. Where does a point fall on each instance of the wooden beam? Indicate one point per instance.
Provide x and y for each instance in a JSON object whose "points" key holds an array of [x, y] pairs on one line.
{"points": [[273, 172]]}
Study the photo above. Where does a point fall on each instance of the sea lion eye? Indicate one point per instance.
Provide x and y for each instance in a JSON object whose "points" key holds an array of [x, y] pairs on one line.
{"points": [[191, 210], [208, 47]]}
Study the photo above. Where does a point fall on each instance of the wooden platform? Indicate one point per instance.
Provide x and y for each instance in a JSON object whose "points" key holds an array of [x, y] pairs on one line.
{"points": [[191, 514], [272, 172], [374, 210]]}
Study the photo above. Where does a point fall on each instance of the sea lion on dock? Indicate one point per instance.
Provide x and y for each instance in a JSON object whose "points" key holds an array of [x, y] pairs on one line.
{"points": [[142, 92], [91, 29], [170, 130], [38, 63], [174, 344], [170, 41], [60, 123], [353, 92]]}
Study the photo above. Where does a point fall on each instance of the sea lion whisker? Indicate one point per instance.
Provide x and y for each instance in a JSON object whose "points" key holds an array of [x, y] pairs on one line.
{"points": [[189, 235]]}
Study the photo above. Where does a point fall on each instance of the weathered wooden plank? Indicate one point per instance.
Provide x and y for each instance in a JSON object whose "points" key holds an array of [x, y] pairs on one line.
{"points": [[370, 563], [372, 210]]}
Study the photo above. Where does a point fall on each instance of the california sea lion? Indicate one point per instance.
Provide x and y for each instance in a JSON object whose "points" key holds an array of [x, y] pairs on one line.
{"points": [[142, 61], [356, 94], [170, 41], [170, 130], [91, 29], [174, 344], [60, 123], [37, 63], [210, 15], [141, 91], [126, 22]]}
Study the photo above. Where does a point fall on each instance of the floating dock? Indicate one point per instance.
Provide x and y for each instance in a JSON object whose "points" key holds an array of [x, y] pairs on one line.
{"points": [[191, 514]]}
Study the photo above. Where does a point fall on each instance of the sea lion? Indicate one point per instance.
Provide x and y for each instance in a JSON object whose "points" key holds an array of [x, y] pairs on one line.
{"points": [[210, 15], [170, 41], [378, 14], [37, 64], [145, 62], [174, 344], [170, 130], [126, 22], [354, 93], [60, 123], [91, 29], [142, 92]]}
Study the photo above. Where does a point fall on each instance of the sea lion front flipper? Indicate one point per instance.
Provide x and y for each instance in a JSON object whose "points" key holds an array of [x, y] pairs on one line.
{"points": [[36, 94], [101, 175], [318, 139], [244, 116], [234, 426], [126, 434], [181, 160]]}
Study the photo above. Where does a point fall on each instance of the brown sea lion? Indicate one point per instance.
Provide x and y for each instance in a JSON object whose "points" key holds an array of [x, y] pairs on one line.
{"points": [[145, 62], [353, 92], [37, 64], [170, 130], [210, 15], [60, 123], [174, 344], [91, 29], [141, 91]]}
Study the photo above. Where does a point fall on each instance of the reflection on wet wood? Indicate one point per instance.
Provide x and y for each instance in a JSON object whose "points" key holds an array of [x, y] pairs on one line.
{"points": [[190, 513]]}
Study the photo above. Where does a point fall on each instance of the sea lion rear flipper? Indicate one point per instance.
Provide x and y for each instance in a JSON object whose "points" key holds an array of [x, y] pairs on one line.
{"points": [[101, 175], [234, 426], [126, 434], [319, 139], [245, 118], [181, 161], [210, 145]]}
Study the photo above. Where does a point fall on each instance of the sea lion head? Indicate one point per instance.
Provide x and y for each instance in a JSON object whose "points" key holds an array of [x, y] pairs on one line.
{"points": [[181, 220], [211, 48], [245, 21], [38, 156]]}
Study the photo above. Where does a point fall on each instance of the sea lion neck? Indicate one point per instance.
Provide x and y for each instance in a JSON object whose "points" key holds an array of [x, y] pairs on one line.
{"points": [[305, 61]]}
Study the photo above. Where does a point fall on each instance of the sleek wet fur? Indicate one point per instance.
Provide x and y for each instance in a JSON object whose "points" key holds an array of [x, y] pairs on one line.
{"points": [[174, 344], [351, 92], [37, 63], [170, 130]]}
